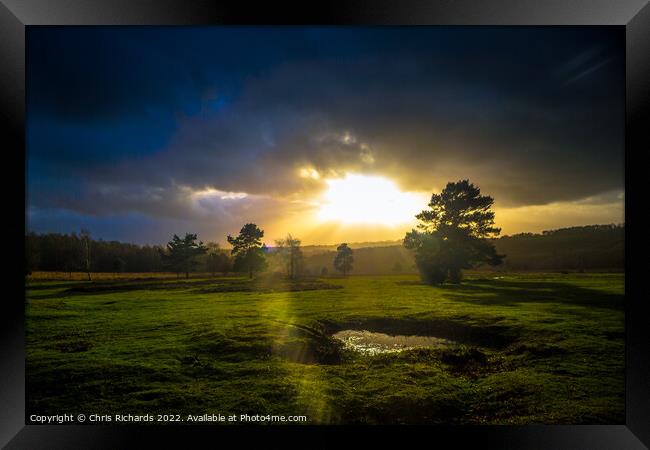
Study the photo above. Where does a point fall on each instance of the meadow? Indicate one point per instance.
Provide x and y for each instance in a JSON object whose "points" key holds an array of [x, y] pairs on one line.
{"points": [[523, 348]]}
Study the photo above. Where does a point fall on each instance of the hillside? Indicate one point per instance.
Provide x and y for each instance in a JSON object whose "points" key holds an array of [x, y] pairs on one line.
{"points": [[590, 247]]}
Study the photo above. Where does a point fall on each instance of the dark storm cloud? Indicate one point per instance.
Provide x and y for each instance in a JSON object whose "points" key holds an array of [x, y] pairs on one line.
{"points": [[95, 73], [134, 117]]}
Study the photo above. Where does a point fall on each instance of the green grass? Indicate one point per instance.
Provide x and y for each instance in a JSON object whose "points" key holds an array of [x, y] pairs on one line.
{"points": [[531, 348]]}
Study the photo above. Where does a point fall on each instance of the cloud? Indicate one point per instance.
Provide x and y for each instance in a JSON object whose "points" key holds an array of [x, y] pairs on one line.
{"points": [[137, 122], [421, 134], [602, 209]]}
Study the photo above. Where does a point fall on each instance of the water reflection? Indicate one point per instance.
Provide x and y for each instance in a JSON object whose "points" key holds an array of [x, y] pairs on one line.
{"points": [[370, 343]]}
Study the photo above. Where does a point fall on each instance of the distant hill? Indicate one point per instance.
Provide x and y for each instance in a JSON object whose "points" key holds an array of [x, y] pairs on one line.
{"points": [[367, 260], [575, 248], [308, 249], [592, 247]]}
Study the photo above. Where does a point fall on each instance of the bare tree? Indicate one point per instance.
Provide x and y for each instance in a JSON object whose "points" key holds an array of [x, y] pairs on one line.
{"points": [[84, 237], [289, 248]]}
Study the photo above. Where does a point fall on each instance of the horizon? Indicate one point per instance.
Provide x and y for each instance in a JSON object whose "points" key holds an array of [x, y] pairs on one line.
{"points": [[330, 134], [352, 244]]}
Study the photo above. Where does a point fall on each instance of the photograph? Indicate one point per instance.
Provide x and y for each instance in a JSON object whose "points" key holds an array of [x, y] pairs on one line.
{"points": [[325, 225]]}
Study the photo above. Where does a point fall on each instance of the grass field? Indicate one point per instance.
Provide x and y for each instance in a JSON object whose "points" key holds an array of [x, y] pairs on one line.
{"points": [[528, 348]]}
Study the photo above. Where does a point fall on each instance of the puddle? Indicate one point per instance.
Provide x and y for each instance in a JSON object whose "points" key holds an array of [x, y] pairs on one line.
{"points": [[411, 332], [371, 343]]}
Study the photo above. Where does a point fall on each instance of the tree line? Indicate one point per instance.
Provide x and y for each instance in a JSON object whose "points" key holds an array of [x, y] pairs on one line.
{"points": [[455, 233], [181, 255], [69, 253]]}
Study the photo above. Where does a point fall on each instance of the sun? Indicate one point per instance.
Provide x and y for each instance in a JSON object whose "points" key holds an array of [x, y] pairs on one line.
{"points": [[361, 199]]}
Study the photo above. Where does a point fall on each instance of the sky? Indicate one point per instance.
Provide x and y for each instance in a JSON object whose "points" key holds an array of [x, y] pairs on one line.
{"points": [[328, 133]]}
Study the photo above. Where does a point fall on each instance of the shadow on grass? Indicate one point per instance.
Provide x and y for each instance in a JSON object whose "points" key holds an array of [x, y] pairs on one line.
{"points": [[514, 293], [201, 286]]}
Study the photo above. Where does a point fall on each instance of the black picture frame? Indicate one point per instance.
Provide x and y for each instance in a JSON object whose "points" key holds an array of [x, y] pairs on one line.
{"points": [[633, 15]]}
